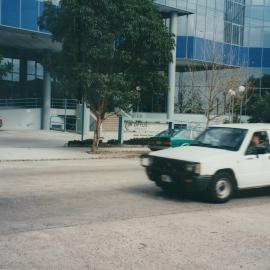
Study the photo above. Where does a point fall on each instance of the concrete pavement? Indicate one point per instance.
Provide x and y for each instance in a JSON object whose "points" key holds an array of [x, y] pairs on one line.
{"points": [[51, 145]]}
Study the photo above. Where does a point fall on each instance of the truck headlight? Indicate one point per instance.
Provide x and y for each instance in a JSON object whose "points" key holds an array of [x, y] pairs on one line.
{"points": [[146, 161], [194, 168]]}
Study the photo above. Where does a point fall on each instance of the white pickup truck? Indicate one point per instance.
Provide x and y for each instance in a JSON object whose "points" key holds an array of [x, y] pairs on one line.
{"points": [[221, 160]]}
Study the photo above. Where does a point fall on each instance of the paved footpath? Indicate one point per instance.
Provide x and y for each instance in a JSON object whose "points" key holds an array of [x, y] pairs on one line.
{"points": [[51, 145]]}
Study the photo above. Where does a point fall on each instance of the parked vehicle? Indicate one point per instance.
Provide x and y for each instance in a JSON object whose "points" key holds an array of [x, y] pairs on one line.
{"points": [[171, 138], [221, 160], [1, 122]]}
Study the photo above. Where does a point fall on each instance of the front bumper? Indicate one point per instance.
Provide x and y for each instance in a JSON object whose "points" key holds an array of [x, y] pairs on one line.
{"points": [[172, 172], [197, 183]]}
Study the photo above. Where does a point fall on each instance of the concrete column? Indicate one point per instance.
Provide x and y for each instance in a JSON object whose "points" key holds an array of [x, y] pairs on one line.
{"points": [[46, 109], [172, 70], [85, 120], [23, 78], [83, 123], [121, 124]]}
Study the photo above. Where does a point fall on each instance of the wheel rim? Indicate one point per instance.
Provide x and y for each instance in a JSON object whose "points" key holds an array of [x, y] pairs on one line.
{"points": [[223, 188]]}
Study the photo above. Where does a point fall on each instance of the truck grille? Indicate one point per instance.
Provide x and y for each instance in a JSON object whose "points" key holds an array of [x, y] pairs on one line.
{"points": [[174, 168]]}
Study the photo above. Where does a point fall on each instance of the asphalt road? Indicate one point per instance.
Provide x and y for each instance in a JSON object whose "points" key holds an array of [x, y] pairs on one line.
{"points": [[105, 214]]}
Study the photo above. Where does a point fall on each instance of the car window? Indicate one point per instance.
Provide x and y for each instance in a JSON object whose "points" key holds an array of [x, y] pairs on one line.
{"points": [[185, 134], [259, 143], [168, 133]]}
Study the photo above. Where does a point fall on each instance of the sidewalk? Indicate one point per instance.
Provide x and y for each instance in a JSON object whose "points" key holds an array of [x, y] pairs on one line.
{"points": [[23, 145]]}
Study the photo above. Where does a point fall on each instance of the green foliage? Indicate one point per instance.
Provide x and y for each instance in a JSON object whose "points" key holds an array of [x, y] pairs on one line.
{"points": [[259, 108], [76, 143], [133, 141], [109, 48], [4, 68], [137, 141], [88, 142]]}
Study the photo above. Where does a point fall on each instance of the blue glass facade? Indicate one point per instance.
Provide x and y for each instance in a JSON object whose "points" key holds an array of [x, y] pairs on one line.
{"points": [[21, 14], [238, 30]]}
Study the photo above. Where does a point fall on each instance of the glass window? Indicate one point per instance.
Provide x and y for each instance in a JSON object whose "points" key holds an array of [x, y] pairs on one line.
{"points": [[200, 26], [16, 65], [191, 25], [31, 70], [266, 37], [219, 31], [40, 71], [191, 5], [257, 2], [211, 4], [266, 15], [220, 5], [259, 144], [8, 76], [10, 10], [14, 74], [29, 14], [34, 70], [168, 133], [255, 37], [227, 32], [185, 134], [182, 29], [210, 25]]}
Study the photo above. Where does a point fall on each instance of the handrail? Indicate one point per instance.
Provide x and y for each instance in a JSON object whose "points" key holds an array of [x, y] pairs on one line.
{"points": [[56, 103]]}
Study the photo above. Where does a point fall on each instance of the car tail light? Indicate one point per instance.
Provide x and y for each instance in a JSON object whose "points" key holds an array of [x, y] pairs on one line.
{"points": [[166, 142]]}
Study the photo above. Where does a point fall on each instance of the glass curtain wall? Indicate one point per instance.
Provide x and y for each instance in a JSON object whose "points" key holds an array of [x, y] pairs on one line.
{"points": [[236, 31], [21, 14]]}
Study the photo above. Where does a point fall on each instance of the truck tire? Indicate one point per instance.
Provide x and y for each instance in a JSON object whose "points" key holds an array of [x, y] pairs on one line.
{"points": [[221, 187]]}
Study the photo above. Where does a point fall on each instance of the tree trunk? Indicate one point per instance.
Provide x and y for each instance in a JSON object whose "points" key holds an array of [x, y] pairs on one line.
{"points": [[96, 134], [99, 119]]}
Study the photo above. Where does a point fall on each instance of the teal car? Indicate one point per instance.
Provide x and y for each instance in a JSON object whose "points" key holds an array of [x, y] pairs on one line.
{"points": [[172, 138]]}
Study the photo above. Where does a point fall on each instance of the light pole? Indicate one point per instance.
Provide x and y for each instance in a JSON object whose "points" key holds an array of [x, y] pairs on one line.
{"points": [[232, 95], [241, 90]]}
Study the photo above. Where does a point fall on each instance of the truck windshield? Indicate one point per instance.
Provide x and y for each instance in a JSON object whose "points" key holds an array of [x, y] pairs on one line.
{"points": [[221, 137]]}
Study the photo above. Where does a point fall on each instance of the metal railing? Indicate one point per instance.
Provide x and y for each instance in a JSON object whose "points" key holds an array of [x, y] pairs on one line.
{"points": [[60, 103], [56, 103], [21, 102]]}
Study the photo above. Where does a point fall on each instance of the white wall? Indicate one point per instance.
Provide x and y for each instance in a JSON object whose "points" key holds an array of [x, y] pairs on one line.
{"points": [[21, 118], [15, 118]]}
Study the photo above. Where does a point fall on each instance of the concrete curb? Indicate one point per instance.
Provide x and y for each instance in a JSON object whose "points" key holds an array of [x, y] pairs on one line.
{"points": [[107, 155]]}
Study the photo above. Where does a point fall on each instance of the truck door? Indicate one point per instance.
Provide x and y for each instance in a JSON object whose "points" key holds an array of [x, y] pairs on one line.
{"points": [[254, 166]]}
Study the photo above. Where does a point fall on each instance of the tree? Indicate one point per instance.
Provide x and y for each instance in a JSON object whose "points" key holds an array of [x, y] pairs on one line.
{"points": [[109, 49], [188, 100], [211, 81], [259, 109], [4, 67]]}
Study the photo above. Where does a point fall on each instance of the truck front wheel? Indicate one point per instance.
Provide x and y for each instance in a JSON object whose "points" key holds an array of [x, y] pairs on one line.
{"points": [[221, 187]]}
